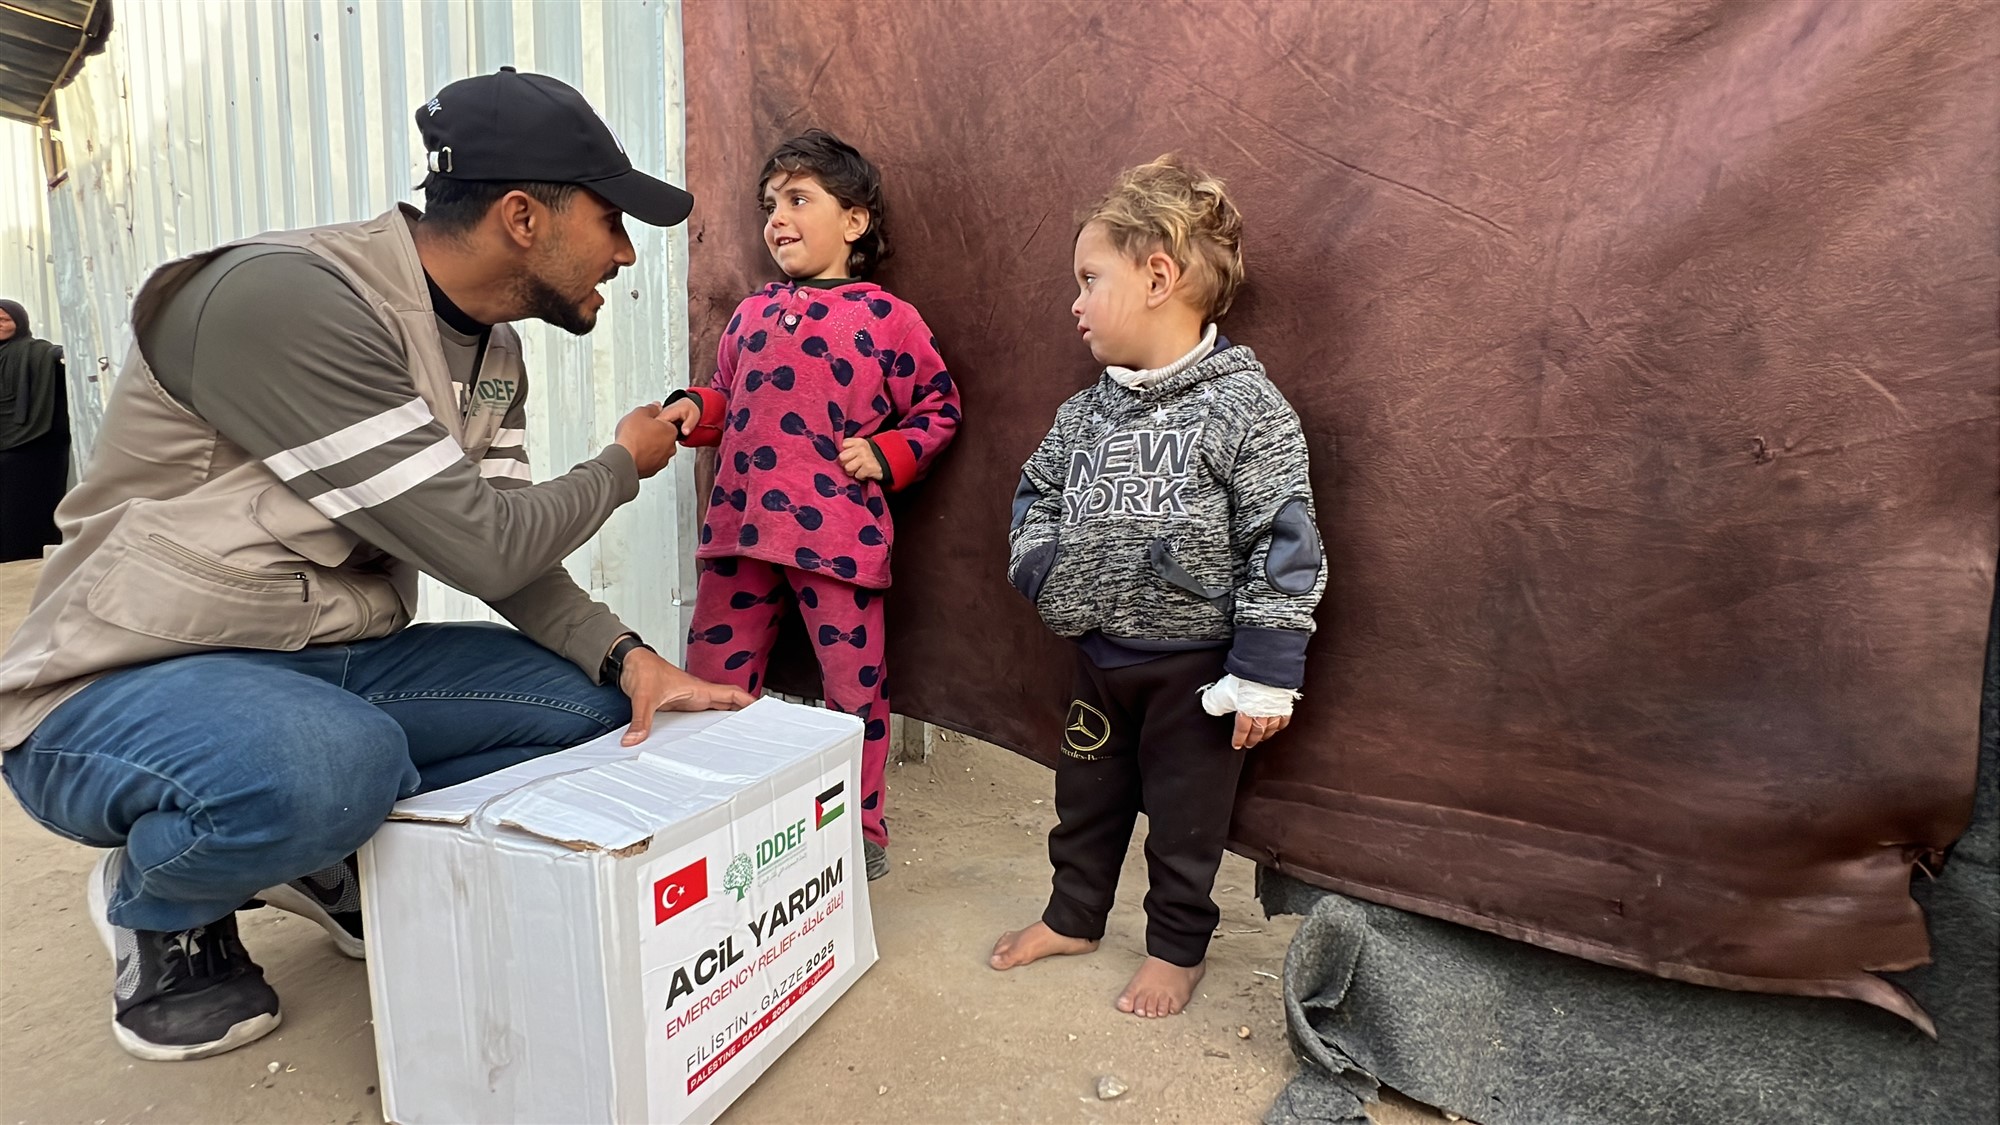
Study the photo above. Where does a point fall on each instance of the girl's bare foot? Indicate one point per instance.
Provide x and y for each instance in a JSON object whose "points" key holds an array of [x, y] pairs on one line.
{"points": [[1020, 947], [1160, 988]]}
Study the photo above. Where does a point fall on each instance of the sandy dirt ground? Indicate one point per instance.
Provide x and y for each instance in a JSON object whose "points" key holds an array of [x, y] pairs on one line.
{"points": [[930, 1034]]}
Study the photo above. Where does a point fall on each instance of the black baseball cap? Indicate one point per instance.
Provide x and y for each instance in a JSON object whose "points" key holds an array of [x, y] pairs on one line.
{"points": [[508, 126]]}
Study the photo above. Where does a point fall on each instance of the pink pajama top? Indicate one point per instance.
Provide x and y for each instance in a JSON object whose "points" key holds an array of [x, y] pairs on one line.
{"points": [[799, 371]]}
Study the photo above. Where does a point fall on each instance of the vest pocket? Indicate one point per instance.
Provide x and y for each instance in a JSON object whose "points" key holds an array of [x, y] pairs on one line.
{"points": [[159, 588]]}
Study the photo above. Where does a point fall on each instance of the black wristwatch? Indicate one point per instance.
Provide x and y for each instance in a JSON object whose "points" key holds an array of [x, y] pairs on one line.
{"points": [[614, 662]]}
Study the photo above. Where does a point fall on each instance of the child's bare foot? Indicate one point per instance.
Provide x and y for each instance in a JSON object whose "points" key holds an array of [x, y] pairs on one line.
{"points": [[1160, 988], [1020, 947]]}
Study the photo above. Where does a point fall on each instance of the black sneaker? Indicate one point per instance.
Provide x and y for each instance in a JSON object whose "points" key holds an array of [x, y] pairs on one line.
{"points": [[186, 994], [330, 897], [876, 858]]}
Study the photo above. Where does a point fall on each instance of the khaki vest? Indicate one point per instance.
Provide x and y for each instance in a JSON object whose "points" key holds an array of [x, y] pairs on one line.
{"points": [[177, 541]]}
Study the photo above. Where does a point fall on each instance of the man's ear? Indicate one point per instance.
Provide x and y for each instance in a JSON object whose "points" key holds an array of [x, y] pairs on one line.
{"points": [[855, 222], [1163, 276], [519, 218]]}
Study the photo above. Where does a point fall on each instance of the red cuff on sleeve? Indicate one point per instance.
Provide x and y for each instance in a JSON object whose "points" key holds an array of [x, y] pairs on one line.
{"points": [[898, 459], [714, 409]]}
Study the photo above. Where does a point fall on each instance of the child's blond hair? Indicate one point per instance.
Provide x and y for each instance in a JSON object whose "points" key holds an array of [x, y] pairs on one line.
{"points": [[1174, 206]]}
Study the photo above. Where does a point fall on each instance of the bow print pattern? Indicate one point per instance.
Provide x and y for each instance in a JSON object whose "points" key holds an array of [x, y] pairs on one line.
{"points": [[735, 627]]}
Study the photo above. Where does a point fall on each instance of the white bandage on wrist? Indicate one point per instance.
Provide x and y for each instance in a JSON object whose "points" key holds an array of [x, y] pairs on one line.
{"points": [[1258, 701]]}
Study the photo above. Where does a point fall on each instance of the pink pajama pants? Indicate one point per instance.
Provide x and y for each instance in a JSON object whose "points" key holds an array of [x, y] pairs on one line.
{"points": [[738, 605]]}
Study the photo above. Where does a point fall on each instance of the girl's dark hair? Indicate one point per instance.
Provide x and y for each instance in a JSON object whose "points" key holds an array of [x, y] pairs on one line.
{"points": [[849, 177]]}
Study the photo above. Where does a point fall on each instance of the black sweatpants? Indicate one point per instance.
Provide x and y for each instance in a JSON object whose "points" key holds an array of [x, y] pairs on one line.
{"points": [[1138, 741]]}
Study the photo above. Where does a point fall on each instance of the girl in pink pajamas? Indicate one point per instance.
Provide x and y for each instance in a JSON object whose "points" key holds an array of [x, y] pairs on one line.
{"points": [[828, 394]]}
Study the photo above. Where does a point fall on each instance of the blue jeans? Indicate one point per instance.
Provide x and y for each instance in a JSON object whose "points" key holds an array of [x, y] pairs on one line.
{"points": [[225, 773]]}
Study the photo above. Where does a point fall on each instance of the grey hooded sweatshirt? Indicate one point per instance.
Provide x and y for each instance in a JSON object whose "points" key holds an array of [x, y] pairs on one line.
{"points": [[1178, 516]]}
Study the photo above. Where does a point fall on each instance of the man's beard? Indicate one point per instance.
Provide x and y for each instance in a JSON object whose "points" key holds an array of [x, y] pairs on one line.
{"points": [[545, 302]]}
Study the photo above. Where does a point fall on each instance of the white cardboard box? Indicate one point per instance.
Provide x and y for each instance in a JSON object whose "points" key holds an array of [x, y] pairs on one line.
{"points": [[618, 934]]}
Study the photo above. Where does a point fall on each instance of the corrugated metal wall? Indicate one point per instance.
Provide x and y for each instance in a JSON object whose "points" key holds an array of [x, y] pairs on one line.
{"points": [[27, 268], [207, 120]]}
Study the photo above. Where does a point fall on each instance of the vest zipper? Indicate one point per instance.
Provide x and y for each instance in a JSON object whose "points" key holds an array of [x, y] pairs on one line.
{"points": [[472, 381], [304, 581]]}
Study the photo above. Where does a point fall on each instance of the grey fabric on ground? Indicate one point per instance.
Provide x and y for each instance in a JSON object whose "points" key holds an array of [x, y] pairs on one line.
{"points": [[1505, 1033]]}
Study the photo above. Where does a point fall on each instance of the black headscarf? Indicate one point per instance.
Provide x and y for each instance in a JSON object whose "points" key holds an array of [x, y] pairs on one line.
{"points": [[31, 382]]}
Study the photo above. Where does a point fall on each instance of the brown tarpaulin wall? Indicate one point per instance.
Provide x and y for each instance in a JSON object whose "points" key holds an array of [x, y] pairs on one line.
{"points": [[1648, 354]]}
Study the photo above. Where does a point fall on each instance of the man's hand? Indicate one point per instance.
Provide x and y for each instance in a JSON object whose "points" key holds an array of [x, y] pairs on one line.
{"points": [[1250, 732], [858, 460], [646, 435], [684, 416], [654, 685]]}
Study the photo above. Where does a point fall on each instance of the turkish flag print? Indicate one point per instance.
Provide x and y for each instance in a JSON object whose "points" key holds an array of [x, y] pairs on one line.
{"points": [[680, 890]]}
